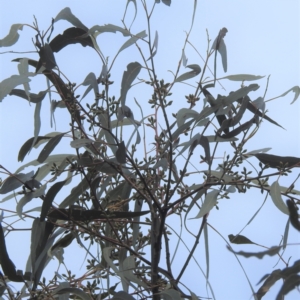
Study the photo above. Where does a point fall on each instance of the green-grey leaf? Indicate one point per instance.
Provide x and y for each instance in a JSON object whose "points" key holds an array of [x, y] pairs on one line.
{"points": [[133, 69], [67, 15], [170, 295], [8, 84], [91, 81], [296, 90], [12, 37], [242, 77], [121, 153], [49, 147], [133, 39], [209, 202], [37, 121], [15, 181], [276, 198], [271, 252], [28, 197], [122, 296], [96, 30], [75, 193], [27, 146], [183, 114], [34, 98], [54, 189], [80, 143], [188, 75]]}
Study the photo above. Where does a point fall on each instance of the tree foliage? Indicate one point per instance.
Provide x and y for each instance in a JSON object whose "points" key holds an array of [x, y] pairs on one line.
{"points": [[126, 180]]}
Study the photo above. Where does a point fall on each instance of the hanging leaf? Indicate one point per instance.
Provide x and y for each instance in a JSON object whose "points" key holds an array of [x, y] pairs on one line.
{"points": [[70, 36], [209, 202], [294, 217], [135, 10], [188, 75], [242, 77], [7, 265], [49, 147], [269, 282], [91, 81], [12, 37], [15, 181], [52, 192], [34, 98], [133, 40], [239, 239], [28, 197], [8, 84], [183, 58], [80, 143], [295, 89], [183, 114], [274, 161], [133, 69], [27, 146], [47, 59], [154, 47], [122, 296], [121, 153], [276, 197], [219, 45], [67, 15], [271, 252]]}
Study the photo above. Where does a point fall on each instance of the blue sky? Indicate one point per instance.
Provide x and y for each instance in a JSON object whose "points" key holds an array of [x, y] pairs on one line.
{"points": [[262, 39]]}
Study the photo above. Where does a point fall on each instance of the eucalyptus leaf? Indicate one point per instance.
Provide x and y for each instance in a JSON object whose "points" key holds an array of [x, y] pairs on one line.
{"points": [[8, 84], [53, 142], [66, 14], [209, 202], [12, 37], [276, 198], [15, 181], [133, 69]]}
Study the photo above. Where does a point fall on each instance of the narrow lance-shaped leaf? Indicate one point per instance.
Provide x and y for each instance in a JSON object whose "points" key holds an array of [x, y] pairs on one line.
{"points": [[73, 35], [67, 15], [209, 202], [12, 37], [47, 59], [52, 192], [133, 69], [121, 153], [8, 84], [7, 265], [28, 197], [49, 147], [294, 217], [188, 75], [219, 45], [91, 81], [275, 161], [135, 10], [295, 89], [34, 98], [242, 77], [154, 47], [276, 197], [239, 239], [133, 40], [271, 252], [15, 181]]}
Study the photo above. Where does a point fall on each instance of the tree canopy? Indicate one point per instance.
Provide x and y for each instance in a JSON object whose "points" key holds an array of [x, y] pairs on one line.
{"points": [[131, 182]]}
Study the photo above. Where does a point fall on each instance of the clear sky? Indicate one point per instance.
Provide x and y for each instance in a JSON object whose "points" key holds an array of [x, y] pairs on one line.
{"points": [[262, 39]]}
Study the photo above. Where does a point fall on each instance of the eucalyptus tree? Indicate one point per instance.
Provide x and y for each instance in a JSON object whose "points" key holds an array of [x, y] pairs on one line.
{"points": [[127, 181]]}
